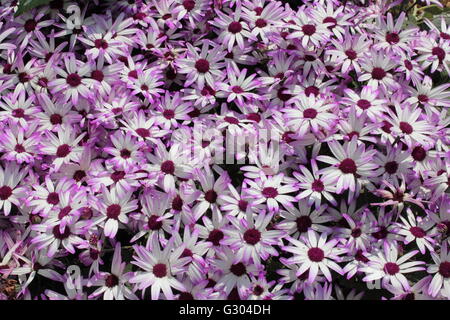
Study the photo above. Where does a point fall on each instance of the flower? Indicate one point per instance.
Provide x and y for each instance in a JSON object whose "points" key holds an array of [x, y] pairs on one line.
{"points": [[314, 253], [160, 268]]}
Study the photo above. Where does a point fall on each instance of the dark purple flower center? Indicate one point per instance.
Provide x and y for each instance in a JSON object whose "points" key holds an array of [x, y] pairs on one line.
{"points": [[444, 269], [237, 89], [111, 281], [153, 223], [24, 77], [117, 176], [177, 203], [160, 270], [235, 27], [360, 257], [269, 192], [63, 151], [5, 192], [61, 236], [211, 196], [238, 269], [418, 153], [351, 54], [406, 127], [168, 167], [312, 90], [423, 98], [309, 113], [260, 23], [356, 233], [408, 65], [55, 119], [113, 211], [386, 126], [363, 104], [316, 254], [417, 232], [202, 65], [391, 167], [258, 290], [30, 25], [169, 114], [242, 205], [101, 44], [189, 5], [317, 185], [439, 53], [378, 73], [215, 236], [73, 80], [308, 29], [53, 198], [382, 233], [391, 268], [97, 75], [331, 20], [125, 153], [303, 223], [348, 166], [19, 148], [252, 236], [18, 113], [392, 38]]}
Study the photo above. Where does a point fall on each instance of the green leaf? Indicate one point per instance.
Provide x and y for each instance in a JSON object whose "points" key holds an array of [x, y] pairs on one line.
{"points": [[27, 5]]}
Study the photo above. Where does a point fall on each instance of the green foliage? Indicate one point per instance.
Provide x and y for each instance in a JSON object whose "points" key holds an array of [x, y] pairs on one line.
{"points": [[27, 5]]}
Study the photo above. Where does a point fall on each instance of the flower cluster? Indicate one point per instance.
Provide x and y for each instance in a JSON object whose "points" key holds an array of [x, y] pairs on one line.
{"points": [[101, 101]]}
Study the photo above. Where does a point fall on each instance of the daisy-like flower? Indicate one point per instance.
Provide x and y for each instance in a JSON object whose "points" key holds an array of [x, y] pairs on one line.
{"points": [[113, 285], [125, 151], [114, 208], [271, 190], [250, 238], [73, 82], [153, 217], [172, 109], [47, 197], [147, 84], [160, 268], [263, 21], [315, 253], [234, 274], [310, 114], [390, 268], [204, 67], [308, 30], [17, 108], [52, 238], [239, 86], [397, 195], [298, 221], [441, 270], [393, 36], [352, 160], [56, 113], [18, 144], [407, 125], [237, 204], [10, 193], [366, 102], [231, 29], [434, 54], [102, 44], [211, 190], [377, 70], [64, 147], [395, 162], [349, 52], [428, 95], [417, 229]]}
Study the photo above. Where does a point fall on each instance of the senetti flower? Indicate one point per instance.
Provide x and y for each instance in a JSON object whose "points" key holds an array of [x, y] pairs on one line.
{"points": [[224, 149]]}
